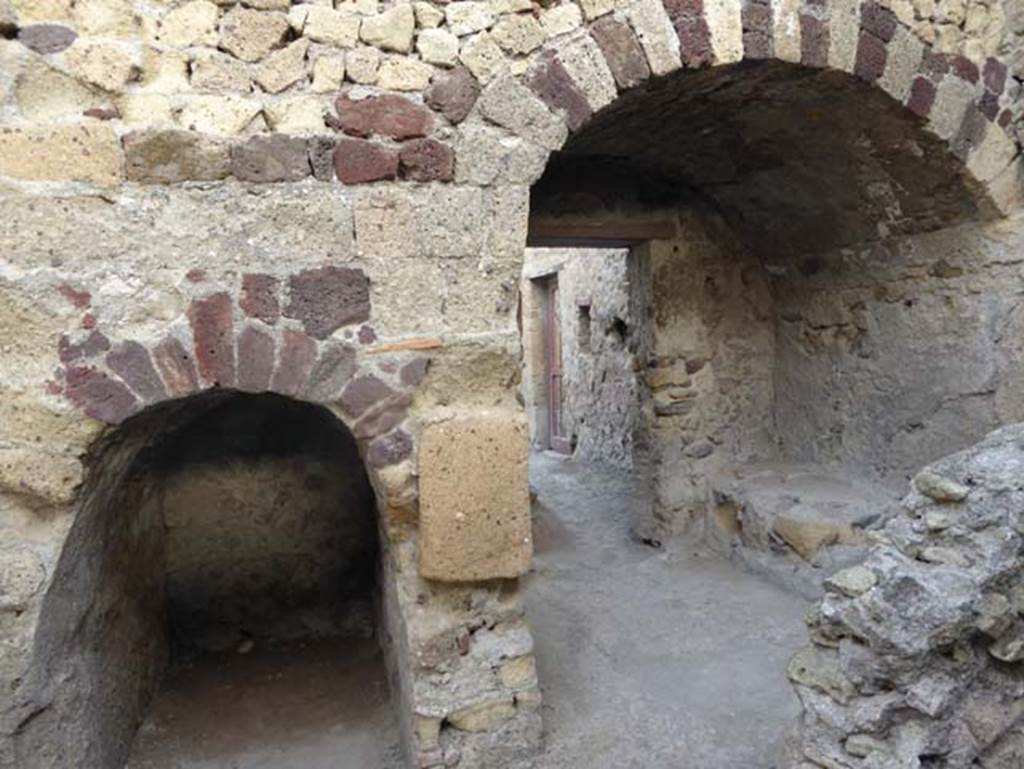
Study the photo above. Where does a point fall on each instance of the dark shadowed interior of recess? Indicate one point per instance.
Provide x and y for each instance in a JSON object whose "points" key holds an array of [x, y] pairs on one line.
{"points": [[224, 563], [794, 158]]}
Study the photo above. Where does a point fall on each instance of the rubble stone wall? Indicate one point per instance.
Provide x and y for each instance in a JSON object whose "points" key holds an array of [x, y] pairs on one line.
{"points": [[916, 654]]}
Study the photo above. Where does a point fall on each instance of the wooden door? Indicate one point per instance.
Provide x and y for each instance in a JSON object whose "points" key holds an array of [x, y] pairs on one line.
{"points": [[557, 440]]}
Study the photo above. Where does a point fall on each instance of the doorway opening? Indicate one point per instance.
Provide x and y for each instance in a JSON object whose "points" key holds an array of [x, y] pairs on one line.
{"points": [[216, 604]]}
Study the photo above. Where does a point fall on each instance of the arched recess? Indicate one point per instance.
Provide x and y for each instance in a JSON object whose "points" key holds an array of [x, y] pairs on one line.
{"points": [[252, 398], [754, 142]]}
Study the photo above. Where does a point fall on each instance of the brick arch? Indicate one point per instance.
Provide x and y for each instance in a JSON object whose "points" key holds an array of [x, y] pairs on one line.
{"points": [[306, 337], [963, 103]]}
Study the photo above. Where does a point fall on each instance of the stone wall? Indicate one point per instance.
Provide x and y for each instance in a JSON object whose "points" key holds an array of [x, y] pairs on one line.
{"points": [[891, 356], [916, 654], [599, 383]]}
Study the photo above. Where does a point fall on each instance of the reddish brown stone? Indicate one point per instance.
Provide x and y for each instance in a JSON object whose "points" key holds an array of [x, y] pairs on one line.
{"points": [[332, 372], [214, 339], [995, 76], [383, 416], [357, 161], [367, 335], [89, 347], [757, 18], [103, 113], [426, 160], [814, 41], [298, 354], [934, 64], [176, 366], [98, 395], [989, 105], [878, 20], [922, 96], [259, 297], [255, 351], [964, 68], [79, 299], [131, 361], [363, 392], [692, 30], [1005, 118], [327, 298], [622, 51], [413, 372], [46, 38], [552, 83], [389, 449], [383, 115], [89, 321], [195, 275], [453, 93], [871, 55], [271, 159]]}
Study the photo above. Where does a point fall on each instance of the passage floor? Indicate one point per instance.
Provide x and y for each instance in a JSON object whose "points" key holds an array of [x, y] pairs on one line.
{"points": [[650, 658]]}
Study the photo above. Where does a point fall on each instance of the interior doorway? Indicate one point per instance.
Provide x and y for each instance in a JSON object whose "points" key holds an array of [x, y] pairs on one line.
{"points": [[558, 441]]}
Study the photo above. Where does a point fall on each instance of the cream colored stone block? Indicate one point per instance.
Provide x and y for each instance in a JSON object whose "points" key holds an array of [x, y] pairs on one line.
{"points": [[844, 34], [164, 71], [519, 672], [438, 46], [106, 65], [250, 35], [901, 64], [44, 93], [483, 57], [952, 98], [362, 65], [283, 69], [106, 18], [992, 155], [39, 11], [391, 30], [138, 109], [561, 19], [466, 17], [89, 152], [428, 16], [518, 34], [227, 115], [786, 30], [340, 28], [474, 498], [194, 23], [216, 72], [594, 8], [300, 115], [483, 717], [656, 34], [400, 73], [588, 68], [44, 477], [1006, 191], [328, 73], [726, 27]]}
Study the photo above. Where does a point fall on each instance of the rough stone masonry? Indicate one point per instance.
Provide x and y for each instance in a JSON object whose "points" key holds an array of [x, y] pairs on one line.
{"points": [[330, 201]]}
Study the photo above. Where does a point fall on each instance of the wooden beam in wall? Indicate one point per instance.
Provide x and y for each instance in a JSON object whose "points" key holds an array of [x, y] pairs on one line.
{"points": [[556, 234]]}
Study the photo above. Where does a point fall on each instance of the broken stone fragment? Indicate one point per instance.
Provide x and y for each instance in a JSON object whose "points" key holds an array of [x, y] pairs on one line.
{"points": [[944, 555], [819, 669], [1010, 648], [484, 716], [863, 745], [995, 615], [938, 488], [46, 38], [852, 582]]}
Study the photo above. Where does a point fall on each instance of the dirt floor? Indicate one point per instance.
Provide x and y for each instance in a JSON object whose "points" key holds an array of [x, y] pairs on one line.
{"points": [[322, 705], [650, 658]]}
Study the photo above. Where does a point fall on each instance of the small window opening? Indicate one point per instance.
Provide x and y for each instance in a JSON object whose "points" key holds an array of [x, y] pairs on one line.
{"points": [[583, 333]]}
